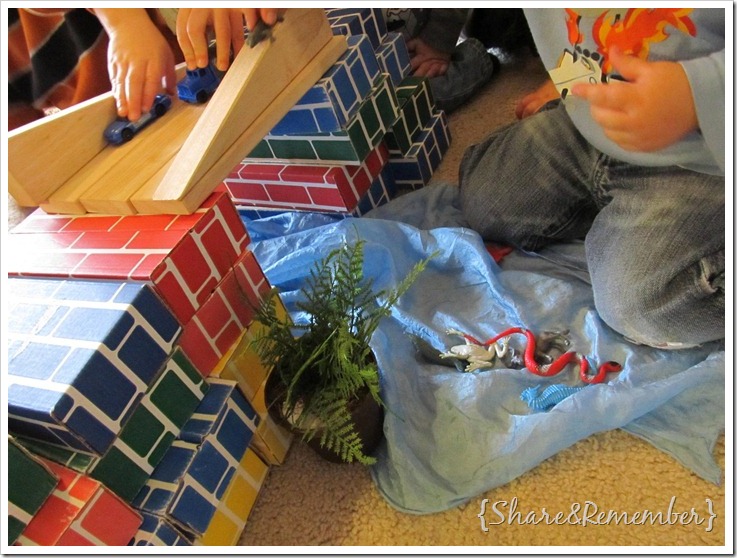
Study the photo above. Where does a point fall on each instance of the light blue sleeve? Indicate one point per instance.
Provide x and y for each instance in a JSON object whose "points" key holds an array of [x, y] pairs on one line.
{"points": [[706, 76]]}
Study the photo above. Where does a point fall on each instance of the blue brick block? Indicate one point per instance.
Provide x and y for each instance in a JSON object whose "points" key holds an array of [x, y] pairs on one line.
{"points": [[393, 58], [415, 169], [359, 21], [81, 354], [383, 189], [331, 103], [186, 486], [157, 531]]}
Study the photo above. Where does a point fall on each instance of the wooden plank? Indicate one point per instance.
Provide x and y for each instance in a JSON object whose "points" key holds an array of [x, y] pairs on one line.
{"points": [[113, 173], [301, 49], [111, 193], [45, 154], [245, 142]]}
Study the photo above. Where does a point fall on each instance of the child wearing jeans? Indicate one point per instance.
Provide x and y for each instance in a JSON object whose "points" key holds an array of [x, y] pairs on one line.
{"points": [[631, 159]]}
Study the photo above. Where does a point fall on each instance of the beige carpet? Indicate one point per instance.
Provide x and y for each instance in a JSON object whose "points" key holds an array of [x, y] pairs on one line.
{"points": [[308, 501]]}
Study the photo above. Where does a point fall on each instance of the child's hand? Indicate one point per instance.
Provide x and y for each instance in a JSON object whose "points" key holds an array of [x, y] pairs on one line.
{"points": [[139, 60], [227, 23], [425, 60], [651, 110], [533, 102]]}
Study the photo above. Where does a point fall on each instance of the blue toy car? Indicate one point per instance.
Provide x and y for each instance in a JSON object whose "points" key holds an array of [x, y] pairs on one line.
{"points": [[122, 130], [199, 84]]}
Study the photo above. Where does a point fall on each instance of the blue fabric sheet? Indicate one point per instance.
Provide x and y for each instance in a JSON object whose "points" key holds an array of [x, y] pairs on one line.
{"points": [[451, 436]]}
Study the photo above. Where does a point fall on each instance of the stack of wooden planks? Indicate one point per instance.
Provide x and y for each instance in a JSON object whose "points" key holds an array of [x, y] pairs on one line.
{"points": [[63, 164]]}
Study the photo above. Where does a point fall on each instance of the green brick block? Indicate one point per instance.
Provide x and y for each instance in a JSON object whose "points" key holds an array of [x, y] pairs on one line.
{"points": [[362, 133], [77, 461], [164, 409], [415, 112], [30, 482]]}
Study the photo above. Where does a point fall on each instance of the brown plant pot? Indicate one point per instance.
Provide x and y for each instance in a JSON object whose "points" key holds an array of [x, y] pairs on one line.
{"points": [[367, 415]]}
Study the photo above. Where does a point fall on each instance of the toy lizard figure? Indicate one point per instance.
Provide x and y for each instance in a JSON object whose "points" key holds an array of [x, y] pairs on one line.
{"points": [[260, 31], [478, 356], [545, 356]]}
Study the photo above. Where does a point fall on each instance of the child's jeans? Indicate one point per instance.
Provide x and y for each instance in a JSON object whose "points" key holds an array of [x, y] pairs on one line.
{"points": [[654, 236]]}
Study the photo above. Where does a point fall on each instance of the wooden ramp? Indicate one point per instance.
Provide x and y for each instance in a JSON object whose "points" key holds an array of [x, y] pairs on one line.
{"points": [[63, 164]]}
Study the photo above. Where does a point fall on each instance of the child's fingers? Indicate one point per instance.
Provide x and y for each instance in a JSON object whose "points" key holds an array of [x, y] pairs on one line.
{"points": [[610, 95], [150, 87], [134, 95], [221, 24], [252, 16], [191, 33], [237, 39], [269, 15], [121, 103], [183, 38]]}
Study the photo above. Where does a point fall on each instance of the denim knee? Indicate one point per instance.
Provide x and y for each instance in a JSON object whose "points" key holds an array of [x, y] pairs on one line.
{"points": [[685, 311]]}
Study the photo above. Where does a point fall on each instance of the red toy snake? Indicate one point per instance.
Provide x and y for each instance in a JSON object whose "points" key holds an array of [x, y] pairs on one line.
{"points": [[558, 364]]}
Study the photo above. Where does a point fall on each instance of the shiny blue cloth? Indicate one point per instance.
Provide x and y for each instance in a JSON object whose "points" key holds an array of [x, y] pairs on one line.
{"points": [[450, 436]]}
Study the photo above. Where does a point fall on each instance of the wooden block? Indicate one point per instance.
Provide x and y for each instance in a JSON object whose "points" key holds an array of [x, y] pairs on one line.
{"points": [[105, 183], [45, 154], [112, 192], [260, 87], [146, 200], [42, 155]]}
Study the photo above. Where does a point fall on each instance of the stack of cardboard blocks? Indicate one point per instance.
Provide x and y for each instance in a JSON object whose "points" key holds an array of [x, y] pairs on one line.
{"points": [[364, 133], [120, 343], [135, 400]]}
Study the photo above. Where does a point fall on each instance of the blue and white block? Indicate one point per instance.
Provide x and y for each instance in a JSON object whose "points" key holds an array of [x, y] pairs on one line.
{"points": [[190, 481], [81, 355], [414, 170], [359, 21], [383, 189], [157, 531], [393, 58], [333, 101]]}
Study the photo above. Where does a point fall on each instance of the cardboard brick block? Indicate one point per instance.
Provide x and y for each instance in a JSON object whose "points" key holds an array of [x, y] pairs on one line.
{"points": [[333, 101], [363, 133], [81, 354], [30, 483], [393, 58], [415, 169], [75, 460], [182, 256], [157, 531], [359, 21], [272, 441], [305, 187], [192, 478], [221, 320], [81, 512], [415, 113], [381, 191], [245, 366], [164, 409], [229, 519]]}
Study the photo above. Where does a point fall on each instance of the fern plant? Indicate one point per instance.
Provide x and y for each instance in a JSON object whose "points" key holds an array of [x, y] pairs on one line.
{"points": [[326, 364]]}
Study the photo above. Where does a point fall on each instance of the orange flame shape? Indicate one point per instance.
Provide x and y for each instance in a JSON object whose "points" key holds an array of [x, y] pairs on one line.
{"points": [[639, 28]]}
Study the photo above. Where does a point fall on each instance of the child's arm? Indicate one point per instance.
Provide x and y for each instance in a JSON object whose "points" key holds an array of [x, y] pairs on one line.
{"points": [[227, 23], [651, 109], [140, 60]]}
